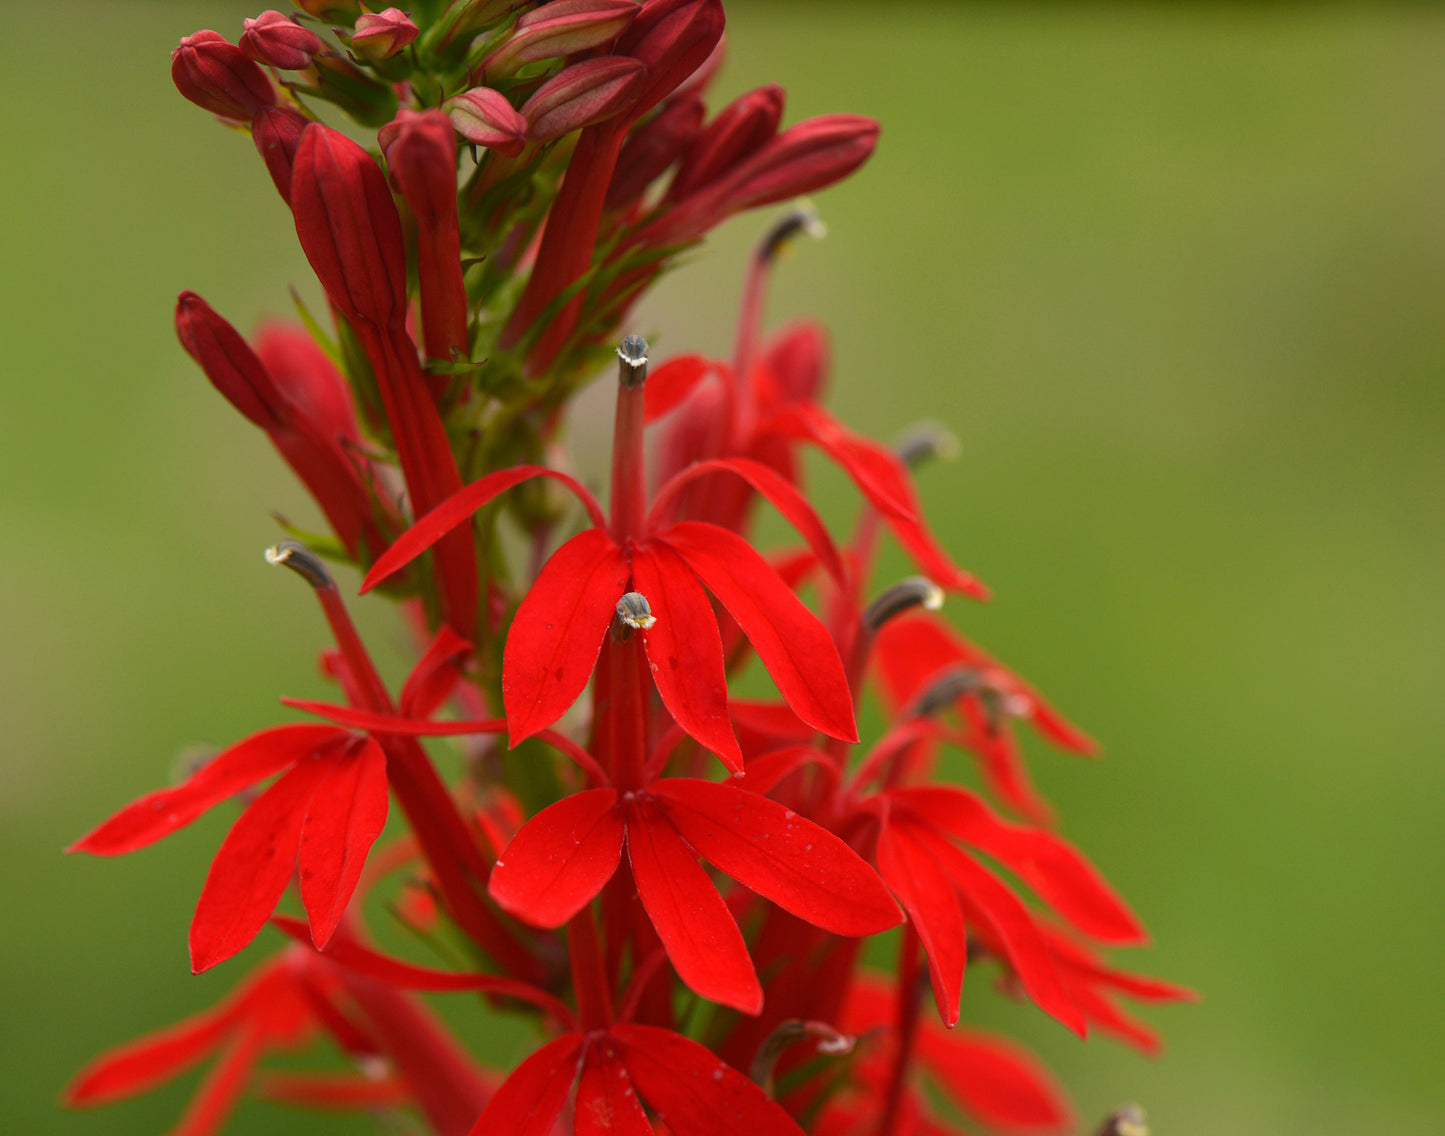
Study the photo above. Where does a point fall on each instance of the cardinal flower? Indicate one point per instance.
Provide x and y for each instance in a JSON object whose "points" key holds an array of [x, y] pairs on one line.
{"points": [[558, 630]]}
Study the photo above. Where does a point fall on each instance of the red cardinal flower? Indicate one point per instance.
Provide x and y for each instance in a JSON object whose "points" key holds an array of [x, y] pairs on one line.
{"points": [[559, 627]]}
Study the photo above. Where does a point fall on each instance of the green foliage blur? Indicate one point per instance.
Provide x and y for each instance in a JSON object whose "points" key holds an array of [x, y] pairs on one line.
{"points": [[1174, 274]]}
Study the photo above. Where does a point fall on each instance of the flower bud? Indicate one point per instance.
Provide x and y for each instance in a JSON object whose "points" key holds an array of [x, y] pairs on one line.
{"points": [[279, 41], [583, 94], [381, 35], [652, 147], [421, 155], [337, 11], [348, 226], [213, 74], [738, 131], [277, 132], [484, 117], [563, 27], [673, 38]]}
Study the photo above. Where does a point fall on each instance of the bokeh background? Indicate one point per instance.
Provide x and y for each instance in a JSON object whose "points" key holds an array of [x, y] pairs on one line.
{"points": [[1174, 274]]}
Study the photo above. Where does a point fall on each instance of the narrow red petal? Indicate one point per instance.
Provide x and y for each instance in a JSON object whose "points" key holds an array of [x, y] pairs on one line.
{"points": [[995, 1080], [607, 1104], [160, 813], [393, 724], [459, 507], [222, 1087], [766, 770], [335, 1091], [800, 866], [987, 900], [556, 635], [148, 1061], [695, 1092], [561, 859], [346, 814], [792, 644], [783, 496], [883, 478], [252, 868], [1055, 869], [435, 675], [697, 930], [669, 385], [928, 895], [685, 650], [351, 955], [531, 1099]]}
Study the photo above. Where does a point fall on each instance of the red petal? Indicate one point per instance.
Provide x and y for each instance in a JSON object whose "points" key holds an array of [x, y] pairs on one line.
{"points": [[685, 650], [669, 385], [928, 895], [607, 1104], [695, 1092], [530, 1101], [158, 814], [800, 866], [561, 859], [351, 955], [221, 1088], [989, 901], [766, 770], [459, 507], [699, 933], [345, 816], [347, 1091], [393, 724], [252, 868], [435, 675], [995, 1080], [1055, 869], [792, 644], [556, 635], [784, 497], [150, 1060], [883, 479]]}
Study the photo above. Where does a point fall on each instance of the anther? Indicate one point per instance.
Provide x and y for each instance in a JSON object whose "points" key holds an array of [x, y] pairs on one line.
{"points": [[301, 560], [633, 353], [926, 442], [916, 591], [946, 689], [633, 614], [800, 220], [1126, 1121]]}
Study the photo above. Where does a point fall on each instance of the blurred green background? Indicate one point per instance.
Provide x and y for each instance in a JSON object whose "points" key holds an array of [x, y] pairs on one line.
{"points": [[1174, 274]]}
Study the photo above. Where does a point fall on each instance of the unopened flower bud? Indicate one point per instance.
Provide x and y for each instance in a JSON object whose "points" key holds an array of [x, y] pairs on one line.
{"points": [[335, 10], [215, 75], [673, 38], [563, 27], [277, 132], [583, 94], [654, 146], [739, 130], [382, 34], [279, 41], [348, 226], [484, 117]]}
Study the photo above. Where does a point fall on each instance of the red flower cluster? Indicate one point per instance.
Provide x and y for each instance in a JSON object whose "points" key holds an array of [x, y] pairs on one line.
{"points": [[537, 166]]}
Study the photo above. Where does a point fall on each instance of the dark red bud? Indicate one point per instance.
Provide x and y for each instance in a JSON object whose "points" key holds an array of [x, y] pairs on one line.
{"points": [[349, 227], [484, 117], [213, 74], [563, 27], [277, 132], [583, 94], [738, 131], [228, 361], [673, 38], [382, 35], [802, 159], [653, 146], [279, 41]]}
